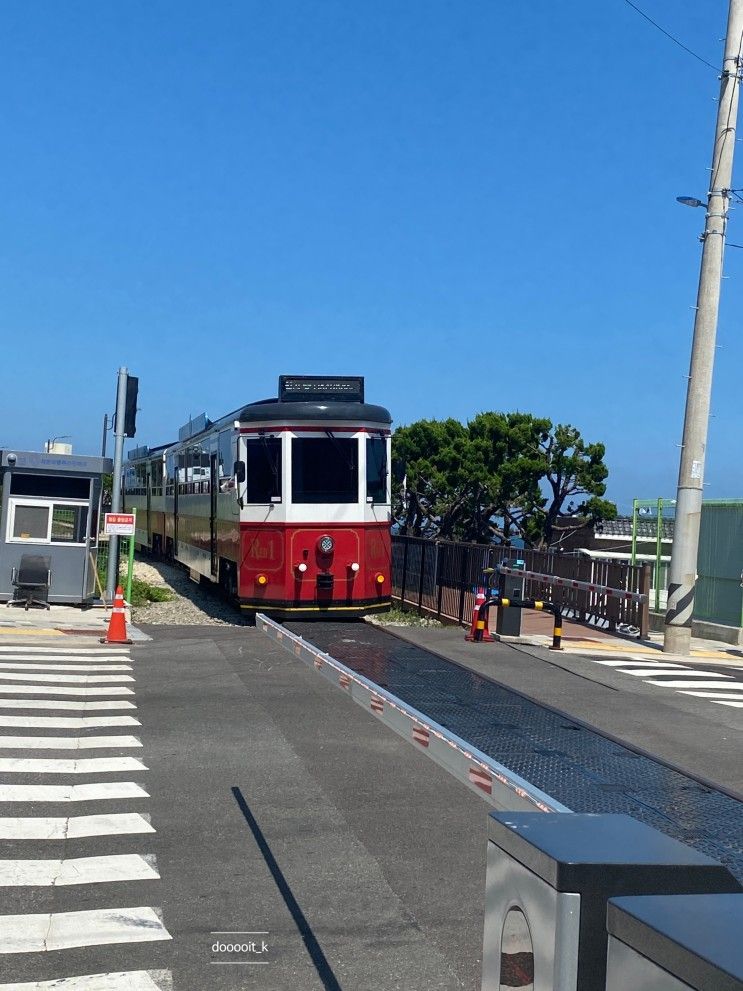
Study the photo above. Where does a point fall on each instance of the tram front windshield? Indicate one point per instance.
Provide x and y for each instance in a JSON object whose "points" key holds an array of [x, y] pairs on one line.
{"points": [[325, 469]]}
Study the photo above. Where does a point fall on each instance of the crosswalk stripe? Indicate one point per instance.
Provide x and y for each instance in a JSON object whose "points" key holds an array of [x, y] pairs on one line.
{"points": [[72, 827], [67, 722], [33, 649], [86, 765], [734, 705], [63, 930], [715, 695], [132, 980], [65, 659], [77, 679], [67, 742], [75, 870], [644, 673], [624, 663], [63, 690], [25, 666], [71, 793], [59, 704], [697, 684]]}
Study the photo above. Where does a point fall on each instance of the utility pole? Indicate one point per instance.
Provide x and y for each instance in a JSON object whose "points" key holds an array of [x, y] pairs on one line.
{"points": [[113, 540], [682, 580]]}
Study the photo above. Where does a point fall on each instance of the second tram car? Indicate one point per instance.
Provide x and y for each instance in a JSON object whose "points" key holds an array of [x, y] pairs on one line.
{"points": [[284, 503]]}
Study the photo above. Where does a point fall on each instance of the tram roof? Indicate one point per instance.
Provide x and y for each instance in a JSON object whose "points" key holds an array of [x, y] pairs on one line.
{"points": [[274, 410]]}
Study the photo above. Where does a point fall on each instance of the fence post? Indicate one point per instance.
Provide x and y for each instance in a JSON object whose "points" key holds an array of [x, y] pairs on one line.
{"points": [[437, 581], [406, 540], [421, 579], [645, 606], [462, 578]]}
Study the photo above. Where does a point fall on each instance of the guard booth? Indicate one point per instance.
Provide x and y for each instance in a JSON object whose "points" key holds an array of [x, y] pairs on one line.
{"points": [[49, 506]]}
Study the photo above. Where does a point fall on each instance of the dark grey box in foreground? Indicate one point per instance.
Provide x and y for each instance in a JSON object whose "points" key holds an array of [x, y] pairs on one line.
{"points": [[675, 943], [549, 878]]}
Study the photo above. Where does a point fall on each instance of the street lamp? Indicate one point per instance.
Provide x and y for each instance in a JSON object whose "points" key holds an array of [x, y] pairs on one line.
{"points": [[690, 201]]}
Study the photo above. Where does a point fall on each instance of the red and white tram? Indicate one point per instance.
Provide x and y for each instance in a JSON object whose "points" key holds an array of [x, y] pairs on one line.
{"points": [[284, 503]]}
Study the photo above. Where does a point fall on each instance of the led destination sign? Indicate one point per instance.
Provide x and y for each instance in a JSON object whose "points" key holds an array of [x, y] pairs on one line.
{"points": [[305, 388]]}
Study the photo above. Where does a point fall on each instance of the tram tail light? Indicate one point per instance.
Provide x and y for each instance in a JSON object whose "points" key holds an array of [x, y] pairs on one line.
{"points": [[262, 580], [379, 580]]}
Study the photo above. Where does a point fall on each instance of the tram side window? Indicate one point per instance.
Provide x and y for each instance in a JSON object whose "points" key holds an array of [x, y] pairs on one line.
{"points": [[376, 469], [325, 469], [169, 474], [263, 470]]}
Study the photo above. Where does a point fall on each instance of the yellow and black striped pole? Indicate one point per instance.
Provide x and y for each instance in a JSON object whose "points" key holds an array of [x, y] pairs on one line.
{"points": [[504, 603]]}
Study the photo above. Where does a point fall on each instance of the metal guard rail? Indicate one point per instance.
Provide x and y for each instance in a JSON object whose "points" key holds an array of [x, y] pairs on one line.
{"points": [[616, 593], [503, 602], [490, 780]]}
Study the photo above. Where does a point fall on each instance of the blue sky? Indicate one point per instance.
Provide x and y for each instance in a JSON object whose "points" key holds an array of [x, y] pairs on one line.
{"points": [[470, 203]]}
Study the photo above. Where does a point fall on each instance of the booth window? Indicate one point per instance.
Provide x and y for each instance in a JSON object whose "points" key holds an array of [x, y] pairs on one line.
{"points": [[47, 523], [325, 469]]}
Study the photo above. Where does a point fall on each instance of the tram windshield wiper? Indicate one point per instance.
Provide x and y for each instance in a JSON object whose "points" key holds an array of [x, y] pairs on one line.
{"points": [[348, 463]]}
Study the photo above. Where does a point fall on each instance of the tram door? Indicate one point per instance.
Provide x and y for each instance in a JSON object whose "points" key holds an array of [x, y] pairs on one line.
{"points": [[214, 491]]}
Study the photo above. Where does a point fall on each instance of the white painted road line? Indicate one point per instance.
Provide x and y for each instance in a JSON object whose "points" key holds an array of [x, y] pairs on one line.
{"points": [[25, 666], [67, 742], [71, 793], [62, 690], [696, 684], [76, 870], [734, 705], [624, 663], [72, 827], [59, 704], [63, 930], [715, 695], [67, 722], [87, 765], [76, 679], [131, 980], [644, 673], [34, 649]]}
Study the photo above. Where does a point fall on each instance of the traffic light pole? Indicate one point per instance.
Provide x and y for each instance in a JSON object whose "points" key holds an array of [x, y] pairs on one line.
{"points": [[682, 578], [113, 540]]}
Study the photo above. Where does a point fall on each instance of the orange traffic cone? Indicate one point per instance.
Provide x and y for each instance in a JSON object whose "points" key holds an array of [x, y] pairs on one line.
{"points": [[487, 636], [117, 623]]}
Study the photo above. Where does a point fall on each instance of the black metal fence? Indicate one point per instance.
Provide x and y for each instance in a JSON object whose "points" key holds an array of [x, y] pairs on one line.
{"points": [[439, 578]]}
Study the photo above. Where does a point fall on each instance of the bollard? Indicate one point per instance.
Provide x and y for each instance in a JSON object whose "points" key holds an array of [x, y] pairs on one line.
{"points": [[675, 943], [557, 630], [549, 879]]}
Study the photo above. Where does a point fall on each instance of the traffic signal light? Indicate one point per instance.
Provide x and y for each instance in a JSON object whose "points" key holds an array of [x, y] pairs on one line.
{"points": [[130, 411]]}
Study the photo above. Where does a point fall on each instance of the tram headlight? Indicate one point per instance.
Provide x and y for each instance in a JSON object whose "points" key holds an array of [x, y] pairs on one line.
{"points": [[354, 567], [302, 567], [326, 544]]}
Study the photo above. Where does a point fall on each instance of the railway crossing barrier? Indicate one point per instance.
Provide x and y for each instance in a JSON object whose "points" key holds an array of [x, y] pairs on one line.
{"points": [[483, 775]]}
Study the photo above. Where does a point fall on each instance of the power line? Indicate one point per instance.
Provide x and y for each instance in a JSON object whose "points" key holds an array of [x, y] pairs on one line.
{"points": [[668, 35]]}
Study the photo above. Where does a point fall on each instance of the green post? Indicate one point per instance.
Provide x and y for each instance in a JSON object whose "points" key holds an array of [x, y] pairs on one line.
{"points": [[635, 504], [658, 550], [130, 567]]}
